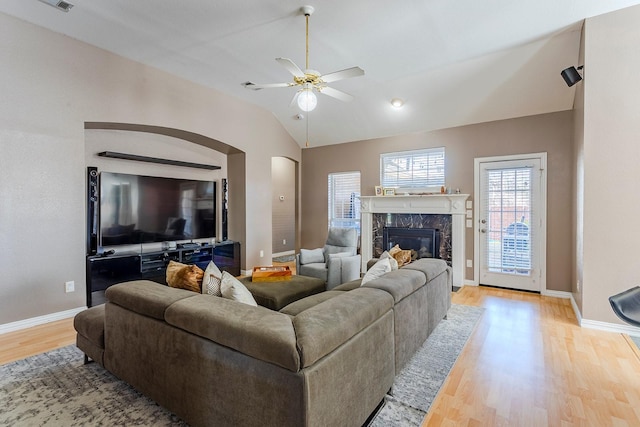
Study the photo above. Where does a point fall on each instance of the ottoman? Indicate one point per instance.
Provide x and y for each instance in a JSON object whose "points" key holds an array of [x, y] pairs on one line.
{"points": [[276, 295]]}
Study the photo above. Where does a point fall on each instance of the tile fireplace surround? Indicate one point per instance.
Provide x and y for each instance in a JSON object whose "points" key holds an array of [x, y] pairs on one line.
{"points": [[447, 204]]}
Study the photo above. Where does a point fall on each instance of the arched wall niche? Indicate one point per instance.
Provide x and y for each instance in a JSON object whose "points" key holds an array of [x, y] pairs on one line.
{"points": [[205, 141], [236, 167]]}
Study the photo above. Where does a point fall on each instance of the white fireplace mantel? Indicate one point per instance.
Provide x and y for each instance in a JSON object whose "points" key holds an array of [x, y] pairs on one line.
{"points": [[447, 204]]}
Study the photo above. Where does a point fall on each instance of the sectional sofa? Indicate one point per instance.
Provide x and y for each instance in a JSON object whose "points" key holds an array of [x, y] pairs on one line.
{"points": [[325, 360]]}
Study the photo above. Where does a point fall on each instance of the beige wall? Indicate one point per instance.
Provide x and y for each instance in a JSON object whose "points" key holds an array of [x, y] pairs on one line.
{"points": [[551, 133], [611, 229], [51, 85], [578, 187], [283, 176]]}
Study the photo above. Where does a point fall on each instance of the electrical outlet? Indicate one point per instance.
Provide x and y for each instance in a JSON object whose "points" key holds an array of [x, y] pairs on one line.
{"points": [[469, 263], [69, 286], [284, 241], [261, 254], [578, 286]]}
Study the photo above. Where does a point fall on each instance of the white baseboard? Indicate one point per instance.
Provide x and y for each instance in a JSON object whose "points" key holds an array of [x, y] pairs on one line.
{"points": [[610, 327], [469, 283], [40, 320], [594, 324], [557, 294], [246, 272]]}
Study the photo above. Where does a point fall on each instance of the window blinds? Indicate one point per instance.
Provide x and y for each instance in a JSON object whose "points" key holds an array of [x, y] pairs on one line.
{"points": [[413, 169], [344, 199]]}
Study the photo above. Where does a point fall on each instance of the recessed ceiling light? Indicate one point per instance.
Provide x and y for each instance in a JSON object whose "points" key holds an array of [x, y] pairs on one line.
{"points": [[59, 4], [397, 102]]}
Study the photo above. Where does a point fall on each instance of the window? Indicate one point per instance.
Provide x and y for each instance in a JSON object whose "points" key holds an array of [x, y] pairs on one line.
{"points": [[413, 169], [344, 200]]}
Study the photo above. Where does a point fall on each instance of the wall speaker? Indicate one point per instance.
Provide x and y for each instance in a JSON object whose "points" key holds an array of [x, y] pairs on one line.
{"points": [[225, 207], [93, 197], [571, 75]]}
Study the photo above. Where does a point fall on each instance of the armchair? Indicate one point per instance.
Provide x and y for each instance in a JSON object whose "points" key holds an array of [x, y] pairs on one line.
{"points": [[626, 305], [336, 263]]}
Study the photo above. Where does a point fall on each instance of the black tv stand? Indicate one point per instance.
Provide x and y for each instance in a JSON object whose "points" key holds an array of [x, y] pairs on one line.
{"points": [[104, 271], [188, 245]]}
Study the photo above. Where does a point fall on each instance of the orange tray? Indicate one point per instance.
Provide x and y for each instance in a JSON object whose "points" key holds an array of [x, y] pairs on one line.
{"points": [[272, 273]]}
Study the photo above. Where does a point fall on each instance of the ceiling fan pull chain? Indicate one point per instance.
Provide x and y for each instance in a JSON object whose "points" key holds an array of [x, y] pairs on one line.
{"points": [[307, 143]]}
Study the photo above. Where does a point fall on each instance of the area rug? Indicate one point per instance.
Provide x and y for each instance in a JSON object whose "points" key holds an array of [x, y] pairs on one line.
{"points": [[56, 388], [418, 384]]}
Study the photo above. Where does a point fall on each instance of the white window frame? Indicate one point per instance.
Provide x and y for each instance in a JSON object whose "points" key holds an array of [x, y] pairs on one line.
{"points": [[413, 186], [343, 222]]}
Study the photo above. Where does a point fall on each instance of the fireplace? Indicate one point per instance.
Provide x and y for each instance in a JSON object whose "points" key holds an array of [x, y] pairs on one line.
{"points": [[412, 211], [423, 242]]}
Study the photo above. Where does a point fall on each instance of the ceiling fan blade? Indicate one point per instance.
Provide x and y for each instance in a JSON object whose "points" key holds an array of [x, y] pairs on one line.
{"points": [[343, 74], [291, 67], [254, 86], [294, 99], [335, 93]]}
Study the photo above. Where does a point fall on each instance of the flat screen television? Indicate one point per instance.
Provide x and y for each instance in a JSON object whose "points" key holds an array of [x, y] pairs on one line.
{"points": [[145, 209]]}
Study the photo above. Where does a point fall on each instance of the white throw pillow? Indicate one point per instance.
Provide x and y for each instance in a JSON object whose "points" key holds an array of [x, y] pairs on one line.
{"points": [[392, 261], [211, 280], [379, 268], [233, 289]]}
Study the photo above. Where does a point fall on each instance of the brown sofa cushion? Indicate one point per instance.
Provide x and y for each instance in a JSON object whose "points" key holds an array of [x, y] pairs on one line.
{"points": [[299, 306], [399, 283], [90, 324], [145, 297], [431, 267], [325, 326], [256, 331], [348, 286]]}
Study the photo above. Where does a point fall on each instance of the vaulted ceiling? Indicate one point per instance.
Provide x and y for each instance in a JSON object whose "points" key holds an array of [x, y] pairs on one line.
{"points": [[452, 63]]}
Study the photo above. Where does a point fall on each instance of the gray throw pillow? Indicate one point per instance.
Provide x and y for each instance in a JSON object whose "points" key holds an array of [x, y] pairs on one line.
{"points": [[309, 256]]}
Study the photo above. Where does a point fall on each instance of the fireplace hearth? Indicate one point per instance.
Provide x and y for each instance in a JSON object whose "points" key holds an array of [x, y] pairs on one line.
{"points": [[423, 242]]}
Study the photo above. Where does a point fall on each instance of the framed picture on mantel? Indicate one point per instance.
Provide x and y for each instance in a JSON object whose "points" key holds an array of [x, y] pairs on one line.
{"points": [[378, 190], [389, 191]]}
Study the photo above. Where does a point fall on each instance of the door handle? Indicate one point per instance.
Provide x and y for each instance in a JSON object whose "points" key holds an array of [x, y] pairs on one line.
{"points": [[483, 230], [483, 221]]}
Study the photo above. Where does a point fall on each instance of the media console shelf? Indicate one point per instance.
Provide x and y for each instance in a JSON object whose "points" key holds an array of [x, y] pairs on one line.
{"points": [[104, 271]]}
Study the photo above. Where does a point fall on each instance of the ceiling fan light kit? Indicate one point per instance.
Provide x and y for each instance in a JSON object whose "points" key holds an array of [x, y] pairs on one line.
{"points": [[310, 80], [307, 100]]}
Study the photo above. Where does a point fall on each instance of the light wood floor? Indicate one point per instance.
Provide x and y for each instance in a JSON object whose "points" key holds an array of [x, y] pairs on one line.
{"points": [[38, 339], [528, 363]]}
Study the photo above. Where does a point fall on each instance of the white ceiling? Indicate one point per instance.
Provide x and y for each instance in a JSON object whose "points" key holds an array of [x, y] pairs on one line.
{"points": [[453, 63]]}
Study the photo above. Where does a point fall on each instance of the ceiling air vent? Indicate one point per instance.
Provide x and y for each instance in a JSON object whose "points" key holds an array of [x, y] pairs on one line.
{"points": [[59, 4]]}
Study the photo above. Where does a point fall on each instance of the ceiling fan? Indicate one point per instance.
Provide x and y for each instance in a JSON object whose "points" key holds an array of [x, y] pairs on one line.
{"points": [[310, 80]]}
